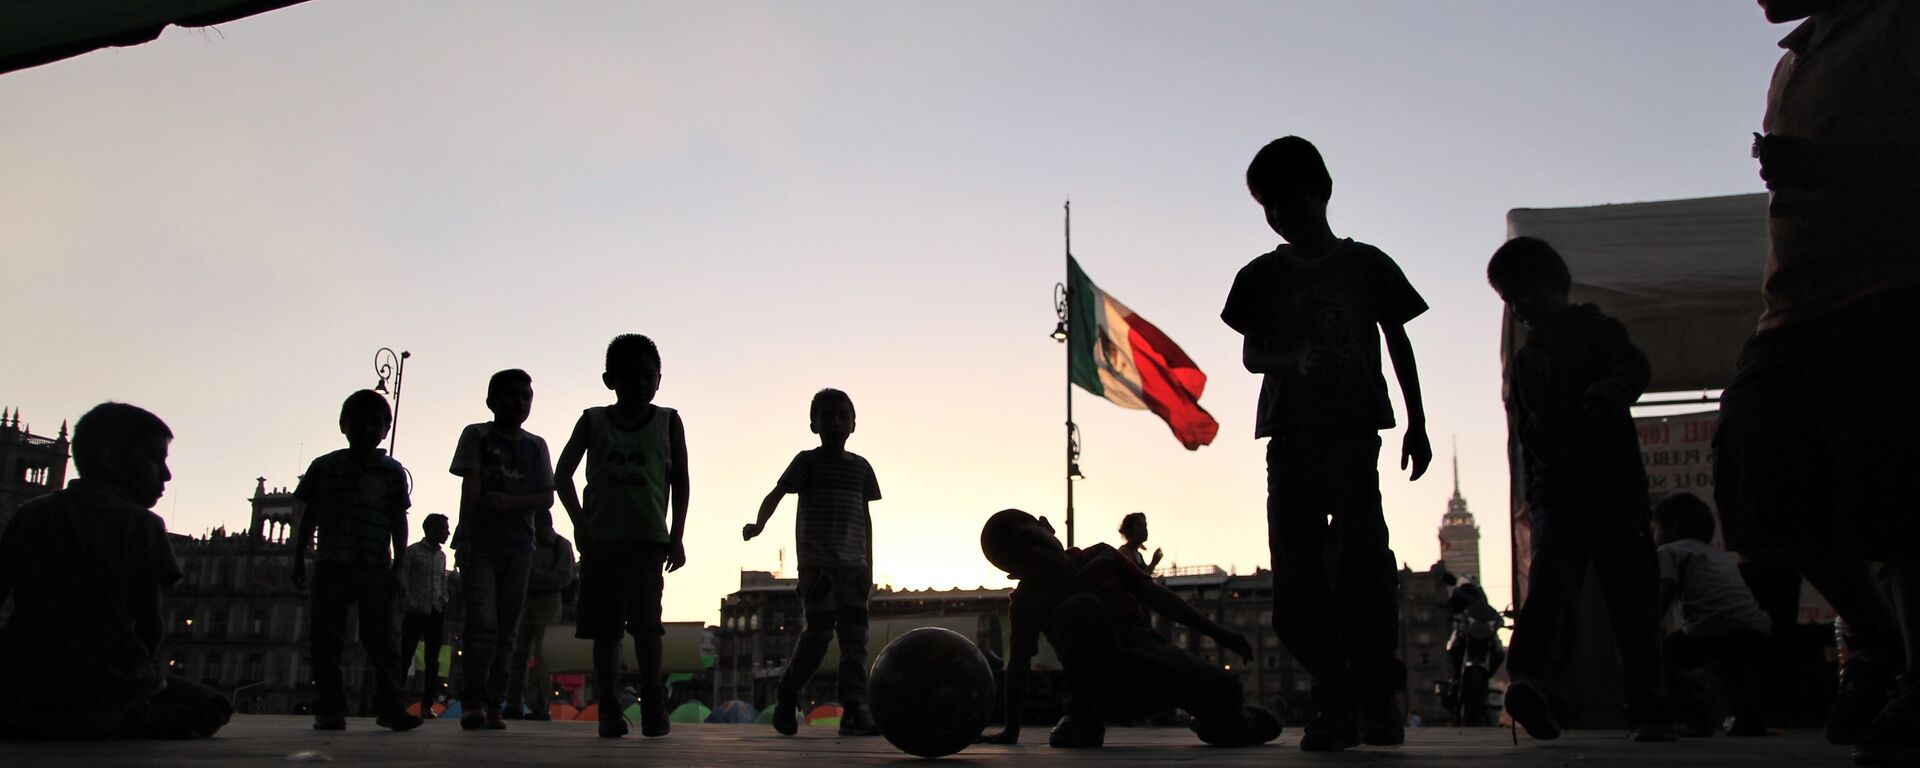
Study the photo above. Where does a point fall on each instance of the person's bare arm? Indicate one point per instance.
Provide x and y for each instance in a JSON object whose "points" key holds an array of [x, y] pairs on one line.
{"points": [[1415, 450], [1017, 669], [768, 506], [563, 487], [1164, 602], [678, 483]]}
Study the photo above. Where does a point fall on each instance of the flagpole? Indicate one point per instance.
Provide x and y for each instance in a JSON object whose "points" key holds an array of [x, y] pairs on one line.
{"points": [[1073, 433]]}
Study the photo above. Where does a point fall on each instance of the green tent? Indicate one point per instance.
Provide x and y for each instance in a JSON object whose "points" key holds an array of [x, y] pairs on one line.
{"points": [[766, 715], [690, 712]]}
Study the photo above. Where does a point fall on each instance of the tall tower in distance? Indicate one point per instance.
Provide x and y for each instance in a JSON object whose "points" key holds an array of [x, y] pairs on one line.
{"points": [[1459, 537]]}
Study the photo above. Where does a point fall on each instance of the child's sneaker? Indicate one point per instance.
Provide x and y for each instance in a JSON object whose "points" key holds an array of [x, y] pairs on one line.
{"points": [[1077, 733], [1894, 737], [1254, 726], [613, 728], [329, 723], [857, 720], [786, 717], [1529, 706], [473, 719], [1334, 726], [494, 721], [653, 714], [397, 719]]}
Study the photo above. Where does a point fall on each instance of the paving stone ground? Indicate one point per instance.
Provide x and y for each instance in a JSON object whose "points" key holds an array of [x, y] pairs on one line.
{"points": [[282, 740]]}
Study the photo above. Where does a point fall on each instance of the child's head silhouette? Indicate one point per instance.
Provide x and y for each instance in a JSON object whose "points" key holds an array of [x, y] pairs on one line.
{"points": [[1682, 516], [510, 396], [831, 413], [1019, 543], [1531, 278], [125, 447], [633, 368], [365, 418]]}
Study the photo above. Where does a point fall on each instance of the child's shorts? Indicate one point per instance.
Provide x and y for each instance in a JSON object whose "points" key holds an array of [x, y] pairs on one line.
{"points": [[835, 588], [620, 588]]}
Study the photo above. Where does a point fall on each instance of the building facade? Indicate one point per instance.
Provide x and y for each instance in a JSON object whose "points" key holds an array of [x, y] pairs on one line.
{"points": [[30, 465]]}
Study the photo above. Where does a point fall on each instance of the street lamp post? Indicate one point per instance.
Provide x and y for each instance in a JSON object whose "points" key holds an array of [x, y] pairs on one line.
{"points": [[1063, 309], [391, 367]]}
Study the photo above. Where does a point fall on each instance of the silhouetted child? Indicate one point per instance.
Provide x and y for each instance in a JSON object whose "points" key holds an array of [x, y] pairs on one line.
{"points": [[1133, 529], [426, 605], [1572, 384], [549, 588], [84, 568], [356, 500], [1722, 625], [1312, 314], [506, 479], [1091, 605], [636, 455], [833, 534]]}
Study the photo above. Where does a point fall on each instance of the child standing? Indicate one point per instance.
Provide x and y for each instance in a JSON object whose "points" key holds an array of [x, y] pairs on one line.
{"points": [[636, 454], [506, 478], [1722, 625], [356, 499], [1312, 314], [1091, 604], [834, 536], [1572, 384], [84, 567], [426, 606]]}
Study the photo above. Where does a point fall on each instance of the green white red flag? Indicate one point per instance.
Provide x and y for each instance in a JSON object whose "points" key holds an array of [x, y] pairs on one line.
{"points": [[1118, 355]]}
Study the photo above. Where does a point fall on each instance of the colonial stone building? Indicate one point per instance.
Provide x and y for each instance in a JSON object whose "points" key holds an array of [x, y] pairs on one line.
{"points": [[30, 465]]}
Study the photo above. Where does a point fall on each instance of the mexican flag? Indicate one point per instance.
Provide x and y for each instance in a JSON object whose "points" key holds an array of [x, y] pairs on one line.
{"points": [[1118, 355]]}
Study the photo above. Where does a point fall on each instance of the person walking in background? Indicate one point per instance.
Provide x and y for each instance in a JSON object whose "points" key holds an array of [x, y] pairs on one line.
{"points": [[424, 620], [549, 586]]}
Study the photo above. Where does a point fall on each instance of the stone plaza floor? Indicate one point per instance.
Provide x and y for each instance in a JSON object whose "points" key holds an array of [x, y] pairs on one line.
{"points": [[280, 740]]}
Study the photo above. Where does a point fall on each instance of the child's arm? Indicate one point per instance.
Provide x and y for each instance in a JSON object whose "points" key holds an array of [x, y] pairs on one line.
{"points": [[1627, 376], [676, 546], [767, 507], [1414, 448], [1259, 357], [563, 469], [1017, 667], [1164, 602], [303, 541], [397, 523]]}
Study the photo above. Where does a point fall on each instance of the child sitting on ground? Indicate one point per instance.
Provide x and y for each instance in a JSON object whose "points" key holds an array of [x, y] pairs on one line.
{"points": [[84, 567], [1722, 625]]}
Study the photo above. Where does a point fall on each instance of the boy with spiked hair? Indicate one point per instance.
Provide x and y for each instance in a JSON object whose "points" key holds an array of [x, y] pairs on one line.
{"points": [[636, 454], [834, 536]]}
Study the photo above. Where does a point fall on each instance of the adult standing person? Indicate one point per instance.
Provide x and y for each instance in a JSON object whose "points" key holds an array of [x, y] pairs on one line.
{"points": [[549, 585], [1817, 428]]}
